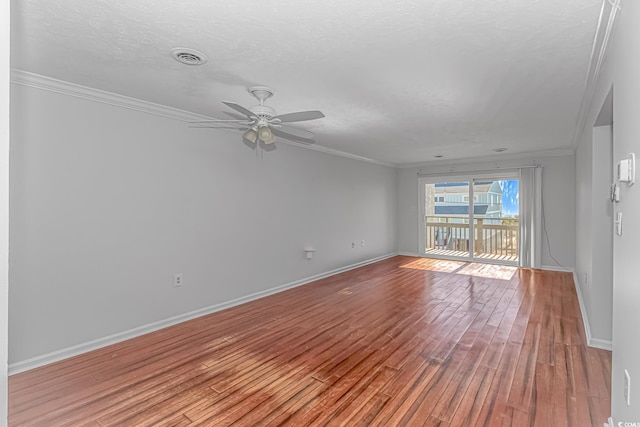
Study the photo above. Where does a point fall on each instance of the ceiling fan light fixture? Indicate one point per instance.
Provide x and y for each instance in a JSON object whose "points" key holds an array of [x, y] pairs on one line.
{"points": [[265, 135], [251, 135]]}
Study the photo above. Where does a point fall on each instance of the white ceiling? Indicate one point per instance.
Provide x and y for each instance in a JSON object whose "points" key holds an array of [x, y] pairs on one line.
{"points": [[399, 81]]}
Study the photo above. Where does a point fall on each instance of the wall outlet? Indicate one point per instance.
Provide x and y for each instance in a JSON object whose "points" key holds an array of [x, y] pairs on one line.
{"points": [[627, 387], [353, 244], [177, 280]]}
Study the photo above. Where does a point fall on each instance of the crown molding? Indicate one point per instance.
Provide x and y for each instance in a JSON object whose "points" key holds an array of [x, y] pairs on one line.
{"points": [[50, 84], [493, 159], [322, 149], [38, 81], [601, 40]]}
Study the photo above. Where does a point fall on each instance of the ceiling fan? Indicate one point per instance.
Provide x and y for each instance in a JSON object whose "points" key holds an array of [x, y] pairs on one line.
{"points": [[262, 122]]}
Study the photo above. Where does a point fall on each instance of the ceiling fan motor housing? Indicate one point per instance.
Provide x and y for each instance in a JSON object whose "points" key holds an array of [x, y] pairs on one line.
{"points": [[263, 111]]}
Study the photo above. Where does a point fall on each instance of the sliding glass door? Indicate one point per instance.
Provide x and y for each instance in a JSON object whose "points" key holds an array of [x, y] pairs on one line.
{"points": [[447, 219], [474, 218]]}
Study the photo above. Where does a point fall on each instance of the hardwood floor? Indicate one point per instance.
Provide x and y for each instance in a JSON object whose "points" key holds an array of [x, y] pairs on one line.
{"points": [[403, 342]]}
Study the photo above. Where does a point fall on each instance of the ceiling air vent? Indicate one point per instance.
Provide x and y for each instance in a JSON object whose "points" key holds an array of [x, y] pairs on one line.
{"points": [[188, 56]]}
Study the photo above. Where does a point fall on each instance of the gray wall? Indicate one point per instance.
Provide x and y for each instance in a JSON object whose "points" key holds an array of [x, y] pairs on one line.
{"points": [[600, 318], [107, 204], [4, 204], [558, 186], [626, 297], [594, 231], [583, 225], [621, 70]]}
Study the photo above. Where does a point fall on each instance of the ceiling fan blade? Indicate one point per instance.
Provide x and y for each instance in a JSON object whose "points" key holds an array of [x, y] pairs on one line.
{"points": [[204, 126], [290, 137], [223, 122], [235, 115], [220, 120], [293, 131], [240, 109], [299, 116]]}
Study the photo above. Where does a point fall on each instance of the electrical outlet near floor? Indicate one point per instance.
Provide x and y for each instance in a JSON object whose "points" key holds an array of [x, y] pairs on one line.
{"points": [[177, 280], [627, 387]]}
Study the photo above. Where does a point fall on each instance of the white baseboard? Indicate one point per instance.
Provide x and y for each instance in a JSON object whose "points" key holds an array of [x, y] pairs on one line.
{"points": [[414, 254], [556, 268], [591, 342], [65, 353], [598, 343]]}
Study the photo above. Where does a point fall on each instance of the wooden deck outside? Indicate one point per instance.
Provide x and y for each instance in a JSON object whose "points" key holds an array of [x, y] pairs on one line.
{"points": [[460, 254], [447, 236], [403, 342]]}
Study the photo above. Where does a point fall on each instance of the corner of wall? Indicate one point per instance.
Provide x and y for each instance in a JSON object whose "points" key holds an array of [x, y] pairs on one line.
{"points": [[591, 341]]}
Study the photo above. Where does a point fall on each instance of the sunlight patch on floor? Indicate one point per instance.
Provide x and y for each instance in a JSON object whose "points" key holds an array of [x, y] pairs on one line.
{"points": [[439, 265], [490, 271]]}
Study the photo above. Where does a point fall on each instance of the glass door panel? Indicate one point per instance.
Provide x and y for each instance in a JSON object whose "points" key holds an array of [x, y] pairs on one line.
{"points": [[446, 219], [496, 219]]}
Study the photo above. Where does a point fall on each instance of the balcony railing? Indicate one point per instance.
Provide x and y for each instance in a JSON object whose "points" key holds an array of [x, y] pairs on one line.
{"points": [[449, 236]]}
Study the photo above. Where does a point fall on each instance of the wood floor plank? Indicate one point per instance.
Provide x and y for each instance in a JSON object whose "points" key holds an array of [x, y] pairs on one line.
{"points": [[475, 396], [495, 407], [405, 341], [565, 411], [542, 403], [524, 376], [456, 387], [293, 406]]}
